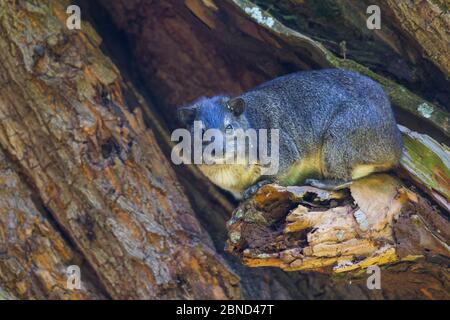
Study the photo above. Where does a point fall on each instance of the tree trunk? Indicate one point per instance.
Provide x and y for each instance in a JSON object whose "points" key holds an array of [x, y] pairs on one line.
{"points": [[85, 171], [74, 131]]}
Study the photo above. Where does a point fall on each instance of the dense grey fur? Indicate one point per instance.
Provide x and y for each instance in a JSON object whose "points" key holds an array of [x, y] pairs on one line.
{"points": [[341, 115]]}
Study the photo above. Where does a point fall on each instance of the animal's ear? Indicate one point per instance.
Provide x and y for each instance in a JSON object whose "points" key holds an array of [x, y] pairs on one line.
{"points": [[236, 105], [186, 115]]}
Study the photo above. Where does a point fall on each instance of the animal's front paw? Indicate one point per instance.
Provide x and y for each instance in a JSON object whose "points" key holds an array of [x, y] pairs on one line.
{"points": [[250, 191], [331, 185]]}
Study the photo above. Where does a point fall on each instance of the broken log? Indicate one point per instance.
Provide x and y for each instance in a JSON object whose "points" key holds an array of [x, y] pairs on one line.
{"points": [[379, 222]]}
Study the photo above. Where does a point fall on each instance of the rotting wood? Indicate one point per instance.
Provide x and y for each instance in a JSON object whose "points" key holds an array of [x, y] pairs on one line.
{"points": [[294, 229]]}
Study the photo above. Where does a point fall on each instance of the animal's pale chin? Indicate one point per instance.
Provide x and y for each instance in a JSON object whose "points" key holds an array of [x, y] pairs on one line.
{"points": [[234, 178]]}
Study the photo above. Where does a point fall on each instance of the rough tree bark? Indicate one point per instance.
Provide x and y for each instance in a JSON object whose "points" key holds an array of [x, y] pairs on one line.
{"points": [[71, 126], [85, 178]]}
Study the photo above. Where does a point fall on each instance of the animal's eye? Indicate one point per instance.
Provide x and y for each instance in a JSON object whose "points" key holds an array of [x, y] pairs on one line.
{"points": [[229, 127]]}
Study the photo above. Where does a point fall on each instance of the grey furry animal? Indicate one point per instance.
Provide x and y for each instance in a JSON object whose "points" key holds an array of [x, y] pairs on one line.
{"points": [[335, 126]]}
